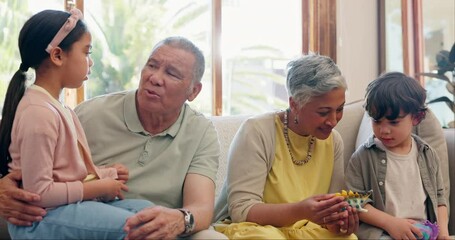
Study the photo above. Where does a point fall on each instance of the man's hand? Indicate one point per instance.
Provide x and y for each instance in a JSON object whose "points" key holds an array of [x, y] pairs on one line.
{"points": [[155, 223], [14, 202]]}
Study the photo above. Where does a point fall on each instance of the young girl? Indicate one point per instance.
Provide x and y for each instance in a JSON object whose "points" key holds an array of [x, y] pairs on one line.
{"points": [[44, 139]]}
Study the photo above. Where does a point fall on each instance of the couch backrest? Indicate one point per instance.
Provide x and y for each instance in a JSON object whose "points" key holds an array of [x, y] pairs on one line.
{"points": [[226, 127], [348, 127]]}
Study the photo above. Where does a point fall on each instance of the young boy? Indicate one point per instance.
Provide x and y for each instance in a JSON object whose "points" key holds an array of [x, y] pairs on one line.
{"points": [[402, 170]]}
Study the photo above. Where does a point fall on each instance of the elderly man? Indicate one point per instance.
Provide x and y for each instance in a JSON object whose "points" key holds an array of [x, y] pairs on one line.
{"points": [[171, 150]]}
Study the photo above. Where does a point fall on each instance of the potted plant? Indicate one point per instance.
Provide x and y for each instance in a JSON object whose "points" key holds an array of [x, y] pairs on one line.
{"points": [[445, 62]]}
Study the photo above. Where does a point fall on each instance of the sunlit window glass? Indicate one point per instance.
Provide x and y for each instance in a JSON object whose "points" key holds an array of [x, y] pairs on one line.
{"points": [[394, 36], [258, 39], [439, 34], [124, 34]]}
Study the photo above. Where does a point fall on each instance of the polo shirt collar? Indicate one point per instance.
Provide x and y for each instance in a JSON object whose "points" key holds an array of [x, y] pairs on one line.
{"points": [[130, 113], [174, 128], [134, 124]]}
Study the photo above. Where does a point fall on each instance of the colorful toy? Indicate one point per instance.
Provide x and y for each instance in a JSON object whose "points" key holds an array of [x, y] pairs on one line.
{"points": [[355, 199], [429, 230]]}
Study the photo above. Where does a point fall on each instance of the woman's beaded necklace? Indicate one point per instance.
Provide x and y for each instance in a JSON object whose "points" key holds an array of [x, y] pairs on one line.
{"points": [[288, 143]]}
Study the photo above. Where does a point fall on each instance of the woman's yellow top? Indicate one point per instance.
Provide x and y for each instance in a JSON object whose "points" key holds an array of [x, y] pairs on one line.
{"points": [[287, 182]]}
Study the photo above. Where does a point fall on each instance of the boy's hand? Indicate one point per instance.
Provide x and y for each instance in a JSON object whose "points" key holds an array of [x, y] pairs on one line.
{"points": [[400, 228]]}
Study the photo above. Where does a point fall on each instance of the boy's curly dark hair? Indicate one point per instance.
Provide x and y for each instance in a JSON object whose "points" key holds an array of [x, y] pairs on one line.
{"points": [[392, 92]]}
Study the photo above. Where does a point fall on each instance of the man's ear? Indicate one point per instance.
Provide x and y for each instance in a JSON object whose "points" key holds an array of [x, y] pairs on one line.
{"points": [[56, 56], [194, 91]]}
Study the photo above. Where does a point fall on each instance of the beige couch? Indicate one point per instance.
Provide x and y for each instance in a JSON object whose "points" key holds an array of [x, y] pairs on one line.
{"points": [[354, 128]]}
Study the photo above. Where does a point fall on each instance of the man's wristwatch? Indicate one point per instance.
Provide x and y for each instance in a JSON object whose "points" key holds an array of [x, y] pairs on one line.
{"points": [[188, 221]]}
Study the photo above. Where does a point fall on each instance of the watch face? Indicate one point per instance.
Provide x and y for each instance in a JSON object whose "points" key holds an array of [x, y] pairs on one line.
{"points": [[189, 221]]}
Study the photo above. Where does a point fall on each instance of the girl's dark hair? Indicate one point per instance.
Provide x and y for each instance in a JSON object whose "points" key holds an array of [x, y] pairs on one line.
{"points": [[392, 92], [35, 35]]}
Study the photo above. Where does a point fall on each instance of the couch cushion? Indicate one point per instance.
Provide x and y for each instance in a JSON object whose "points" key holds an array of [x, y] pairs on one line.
{"points": [[365, 130], [348, 127]]}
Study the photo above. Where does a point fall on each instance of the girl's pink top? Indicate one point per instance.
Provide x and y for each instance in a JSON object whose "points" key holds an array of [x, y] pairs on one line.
{"points": [[49, 146]]}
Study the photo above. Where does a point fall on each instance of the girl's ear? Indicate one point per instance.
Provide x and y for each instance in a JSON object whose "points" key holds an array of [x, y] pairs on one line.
{"points": [[56, 56]]}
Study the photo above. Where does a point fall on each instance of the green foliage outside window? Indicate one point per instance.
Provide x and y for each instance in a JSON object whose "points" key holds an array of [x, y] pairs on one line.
{"points": [[123, 34], [13, 14]]}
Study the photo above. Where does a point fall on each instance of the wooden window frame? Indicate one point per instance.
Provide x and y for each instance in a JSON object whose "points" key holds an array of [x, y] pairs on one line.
{"points": [[74, 96], [413, 46], [217, 74], [319, 27], [412, 38]]}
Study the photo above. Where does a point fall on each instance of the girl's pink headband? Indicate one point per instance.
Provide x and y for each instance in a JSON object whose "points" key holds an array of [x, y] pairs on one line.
{"points": [[67, 27]]}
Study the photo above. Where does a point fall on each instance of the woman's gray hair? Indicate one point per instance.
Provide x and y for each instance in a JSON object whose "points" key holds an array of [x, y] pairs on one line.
{"points": [[312, 75], [186, 45]]}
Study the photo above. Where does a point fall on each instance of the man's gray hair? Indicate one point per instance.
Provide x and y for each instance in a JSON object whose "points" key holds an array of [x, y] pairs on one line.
{"points": [[312, 75], [186, 45]]}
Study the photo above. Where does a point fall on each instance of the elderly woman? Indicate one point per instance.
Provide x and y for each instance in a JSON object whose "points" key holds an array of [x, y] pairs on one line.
{"points": [[285, 166]]}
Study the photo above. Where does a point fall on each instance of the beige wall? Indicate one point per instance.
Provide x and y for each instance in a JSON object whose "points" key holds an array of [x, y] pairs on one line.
{"points": [[357, 44]]}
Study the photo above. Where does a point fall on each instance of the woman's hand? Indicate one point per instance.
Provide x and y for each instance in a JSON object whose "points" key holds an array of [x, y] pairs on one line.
{"points": [[349, 226], [325, 209]]}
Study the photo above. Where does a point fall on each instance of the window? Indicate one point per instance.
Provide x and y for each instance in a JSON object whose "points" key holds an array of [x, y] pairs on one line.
{"points": [[394, 38], [254, 49], [438, 35], [247, 44], [123, 37], [416, 31]]}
